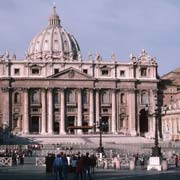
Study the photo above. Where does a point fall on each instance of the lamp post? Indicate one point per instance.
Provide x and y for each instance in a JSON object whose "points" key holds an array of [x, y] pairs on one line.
{"points": [[155, 159], [156, 150], [100, 126]]}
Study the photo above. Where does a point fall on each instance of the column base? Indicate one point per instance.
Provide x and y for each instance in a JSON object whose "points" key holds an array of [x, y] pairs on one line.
{"points": [[50, 133], [154, 163], [79, 131], [63, 133], [133, 133], [25, 132], [43, 133]]}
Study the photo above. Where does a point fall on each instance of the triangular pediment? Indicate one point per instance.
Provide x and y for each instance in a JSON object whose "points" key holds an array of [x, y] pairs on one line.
{"points": [[70, 73]]}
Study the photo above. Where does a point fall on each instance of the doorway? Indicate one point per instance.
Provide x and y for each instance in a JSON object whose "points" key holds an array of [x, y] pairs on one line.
{"points": [[143, 122], [70, 123], [34, 128], [56, 127], [105, 124]]}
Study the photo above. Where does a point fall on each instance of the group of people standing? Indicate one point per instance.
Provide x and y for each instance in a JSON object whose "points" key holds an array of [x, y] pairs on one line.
{"points": [[81, 166]]}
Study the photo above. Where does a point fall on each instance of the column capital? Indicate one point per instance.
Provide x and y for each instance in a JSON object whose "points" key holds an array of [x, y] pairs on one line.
{"points": [[97, 89], [49, 89], [25, 89], [44, 89], [114, 90], [79, 89], [90, 89]]}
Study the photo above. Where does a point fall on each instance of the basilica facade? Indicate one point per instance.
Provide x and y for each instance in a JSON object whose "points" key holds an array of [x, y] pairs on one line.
{"points": [[53, 90]]}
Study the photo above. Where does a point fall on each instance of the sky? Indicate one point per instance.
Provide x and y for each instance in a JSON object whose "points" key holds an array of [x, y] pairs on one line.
{"points": [[104, 26]]}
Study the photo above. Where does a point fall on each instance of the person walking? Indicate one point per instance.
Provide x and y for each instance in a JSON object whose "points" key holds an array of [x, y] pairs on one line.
{"points": [[57, 167], [86, 167], [64, 167], [79, 168], [176, 160]]}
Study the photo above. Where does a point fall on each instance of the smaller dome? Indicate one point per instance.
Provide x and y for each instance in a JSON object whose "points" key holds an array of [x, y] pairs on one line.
{"points": [[54, 42]]}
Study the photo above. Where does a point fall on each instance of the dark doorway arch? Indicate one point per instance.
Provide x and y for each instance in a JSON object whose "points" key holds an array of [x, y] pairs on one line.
{"points": [[105, 124], [143, 122], [71, 122], [56, 127]]}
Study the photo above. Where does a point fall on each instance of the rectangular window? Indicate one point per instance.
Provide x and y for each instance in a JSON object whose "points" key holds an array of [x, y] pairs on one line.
{"points": [[17, 71], [85, 71], [122, 73], [105, 110], [56, 71], [144, 72], [35, 71], [105, 72], [35, 110], [56, 109], [85, 110]]}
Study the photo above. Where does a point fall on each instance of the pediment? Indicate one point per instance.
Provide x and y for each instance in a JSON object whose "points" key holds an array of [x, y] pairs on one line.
{"points": [[70, 73]]}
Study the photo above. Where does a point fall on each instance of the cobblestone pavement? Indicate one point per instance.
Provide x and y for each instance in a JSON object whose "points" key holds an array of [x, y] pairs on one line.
{"points": [[31, 172]]}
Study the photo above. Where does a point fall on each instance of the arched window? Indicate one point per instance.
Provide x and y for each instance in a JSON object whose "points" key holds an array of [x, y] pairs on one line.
{"points": [[85, 97], [35, 98], [105, 97], [55, 97], [122, 98], [16, 98], [70, 96], [65, 46]]}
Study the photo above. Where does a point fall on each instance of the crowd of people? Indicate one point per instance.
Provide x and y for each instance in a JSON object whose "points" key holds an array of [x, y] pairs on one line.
{"points": [[80, 165], [16, 154]]}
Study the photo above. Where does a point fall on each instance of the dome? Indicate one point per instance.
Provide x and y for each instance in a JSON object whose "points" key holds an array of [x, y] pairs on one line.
{"points": [[54, 42]]}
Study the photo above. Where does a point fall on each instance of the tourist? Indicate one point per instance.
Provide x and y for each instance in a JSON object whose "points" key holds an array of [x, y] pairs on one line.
{"points": [[86, 167], [79, 168], [65, 167], [57, 167], [176, 160]]}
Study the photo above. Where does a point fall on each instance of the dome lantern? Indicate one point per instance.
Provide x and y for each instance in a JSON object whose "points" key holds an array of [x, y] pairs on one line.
{"points": [[54, 19]]}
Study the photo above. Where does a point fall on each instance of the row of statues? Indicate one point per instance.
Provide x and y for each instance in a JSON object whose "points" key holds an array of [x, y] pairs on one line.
{"points": [[143, 56], [7, 56]]}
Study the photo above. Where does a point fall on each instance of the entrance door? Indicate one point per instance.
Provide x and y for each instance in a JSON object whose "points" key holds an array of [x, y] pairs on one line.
{"points": [[56, 127], [105, 124], [70, 122], [143, 122], [34, 124]]}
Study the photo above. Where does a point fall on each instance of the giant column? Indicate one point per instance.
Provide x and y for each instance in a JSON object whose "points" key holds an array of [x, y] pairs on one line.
{"points": [[43, 119], [50, 111], [79, 118], [62, 119], [91, 109], [26, 112], [113, 111], [132, 112]]}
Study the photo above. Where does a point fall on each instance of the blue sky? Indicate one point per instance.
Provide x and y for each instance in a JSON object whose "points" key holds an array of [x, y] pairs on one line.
{"points": [[105, 26]]}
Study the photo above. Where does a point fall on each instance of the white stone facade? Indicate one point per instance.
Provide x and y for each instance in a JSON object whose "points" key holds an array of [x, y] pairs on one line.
{"points": [[55, 91]]}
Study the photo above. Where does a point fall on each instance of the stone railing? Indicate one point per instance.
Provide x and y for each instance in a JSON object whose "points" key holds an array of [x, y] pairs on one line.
{"points": [[5, 161], [40, 161]]}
